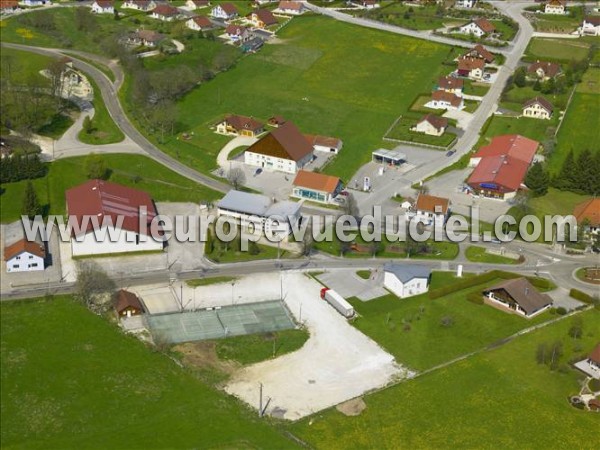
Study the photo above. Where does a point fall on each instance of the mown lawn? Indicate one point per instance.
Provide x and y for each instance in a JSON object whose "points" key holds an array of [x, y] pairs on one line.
{"points": [[72, 380], [254, 348], [559, 50], [351, 87], [104, 129], [531, 128], [501, 397], [411, 329], [474, 253], [131, 170], [402, 131]]}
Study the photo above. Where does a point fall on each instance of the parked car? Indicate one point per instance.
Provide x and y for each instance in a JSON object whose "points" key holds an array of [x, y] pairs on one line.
{"points": [[450, 153], [344, 193], [257, 171]]}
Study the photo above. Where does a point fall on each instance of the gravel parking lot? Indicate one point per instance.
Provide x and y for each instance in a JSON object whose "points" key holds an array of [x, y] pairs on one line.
{"points": [[348, 284], [336, 364]]}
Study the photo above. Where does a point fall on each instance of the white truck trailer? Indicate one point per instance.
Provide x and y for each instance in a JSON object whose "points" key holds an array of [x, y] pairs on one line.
{"points": [[338, 302]]}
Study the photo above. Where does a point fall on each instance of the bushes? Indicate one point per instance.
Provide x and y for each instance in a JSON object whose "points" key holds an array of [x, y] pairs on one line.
{"points": [[581, 296]]}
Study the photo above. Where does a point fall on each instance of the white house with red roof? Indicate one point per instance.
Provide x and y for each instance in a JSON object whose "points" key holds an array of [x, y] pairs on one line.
{"points": [[199, 23], [139, 5], [293, 8], [590, 26], [25, 256], [165, 12], [555, 7], [538, 108], [103, 7], [479, 27], [197, 4], [513, 145], [225, 11], [445, 100], [109, 218]]}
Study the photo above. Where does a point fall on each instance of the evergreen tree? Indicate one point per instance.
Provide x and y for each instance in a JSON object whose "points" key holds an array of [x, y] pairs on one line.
{"points": [[31, 205], [585, 171], [537, 180], [88, 127], [566, 178], [520, 77], [95, 167]]}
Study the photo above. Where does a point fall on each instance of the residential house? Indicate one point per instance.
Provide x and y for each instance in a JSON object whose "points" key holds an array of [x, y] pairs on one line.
{"points": [[199, 23], [225, 11], [479, 51], [284, 149], [591, 367], [197, 4], [140, 5], [432, 209], [452, 85], [25, 256], [240, 126], [406, 280], [127, 304], [276, 121], [513, 145], [35, 2], [465, 3], [555, 7], [543, 70], [110, 218], [324, 143], [588, 212], [517, 296], [165, 12], [252, 45], [293, 8], [103, 7], [479, 28], [147, 38], [262, 18], [432, 125], [316, 187], [472, 68], [9, 7], [590, 26], [260, 211], [445, 100], [366, 4], [237, 33], [408, 203], [538, 108]]}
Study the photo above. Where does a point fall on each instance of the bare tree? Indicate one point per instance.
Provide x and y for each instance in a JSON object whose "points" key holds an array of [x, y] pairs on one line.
{"points": [[236, 177], [350, 206], [94, 287]]}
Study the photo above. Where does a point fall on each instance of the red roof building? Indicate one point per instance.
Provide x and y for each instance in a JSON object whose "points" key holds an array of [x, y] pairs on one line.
{"points": [[589, 210], [479, 51], [498, 176], [513, 145]]}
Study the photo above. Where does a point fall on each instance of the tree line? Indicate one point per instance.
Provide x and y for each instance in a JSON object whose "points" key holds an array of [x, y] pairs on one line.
{"points": [[21, 167]]}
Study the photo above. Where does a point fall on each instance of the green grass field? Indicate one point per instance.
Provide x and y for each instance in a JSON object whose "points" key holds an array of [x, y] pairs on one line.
{"points": [[501, 398], [254, 348], [579, 129], [531, 128], [474, 253], [351, 87], [556, 202], [411, 328], [402, 131], [560, 50], [131, 170], [105, 131], [70, 379]]}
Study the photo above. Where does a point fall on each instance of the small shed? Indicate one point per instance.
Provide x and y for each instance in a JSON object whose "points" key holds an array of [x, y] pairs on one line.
{"points": [[128, 304]]}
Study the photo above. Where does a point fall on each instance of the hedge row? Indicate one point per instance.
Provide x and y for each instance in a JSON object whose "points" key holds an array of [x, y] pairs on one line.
{"points": [[581, 296], [540, 283]]}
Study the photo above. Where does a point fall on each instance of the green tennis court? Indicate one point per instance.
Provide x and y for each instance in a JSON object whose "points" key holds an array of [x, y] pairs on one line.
{"points": [[235, 320]]}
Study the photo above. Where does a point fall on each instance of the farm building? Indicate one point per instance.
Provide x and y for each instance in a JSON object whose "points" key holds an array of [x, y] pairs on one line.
{"points": [[405, 280], [110, 218], [324, 143]]}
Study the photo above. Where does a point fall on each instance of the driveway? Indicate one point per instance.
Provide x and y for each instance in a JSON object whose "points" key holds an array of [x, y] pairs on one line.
{"points": [[348, 284], [337, 362]]}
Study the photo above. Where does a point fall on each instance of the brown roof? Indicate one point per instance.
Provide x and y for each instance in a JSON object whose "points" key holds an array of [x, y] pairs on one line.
{"points": [[479, 51], [104, 3], [202, 21], [229, 8], [277, 120], [290, 5], [540, 101], [236, 30], [470, 64], [449, 83], [98, 198], [284, 142], [454, 100], [485, 25], [149, 35], [524, 294], [316, 181], [244, 123], [590, 210], [429, 202], [265, 16], [595, 355], [594, 20], [35, 248], [125, 299], [200, 2], [556, 2], [438, 122], [165, 10], [9, 4], [550, 69], [324, 141]]}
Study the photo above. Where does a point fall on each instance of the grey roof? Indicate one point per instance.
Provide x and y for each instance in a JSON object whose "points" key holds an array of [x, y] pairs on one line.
{"points": [[257, 204], [395, 155], [405, 272]]}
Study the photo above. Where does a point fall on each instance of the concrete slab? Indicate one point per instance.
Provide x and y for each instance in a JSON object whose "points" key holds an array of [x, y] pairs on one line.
{"points": [[348, 284]]}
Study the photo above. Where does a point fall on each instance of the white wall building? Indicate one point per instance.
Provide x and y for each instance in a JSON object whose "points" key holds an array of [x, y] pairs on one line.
{"points": [[103, 7], [406, 280], [25, 256]]}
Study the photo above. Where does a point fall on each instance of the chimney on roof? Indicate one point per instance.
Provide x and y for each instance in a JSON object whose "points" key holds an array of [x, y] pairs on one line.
{"points": [[526, 291]]}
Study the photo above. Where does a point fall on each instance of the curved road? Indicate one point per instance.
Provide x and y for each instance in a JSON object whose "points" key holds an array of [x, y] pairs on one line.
{"points": [[111, 100]]}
